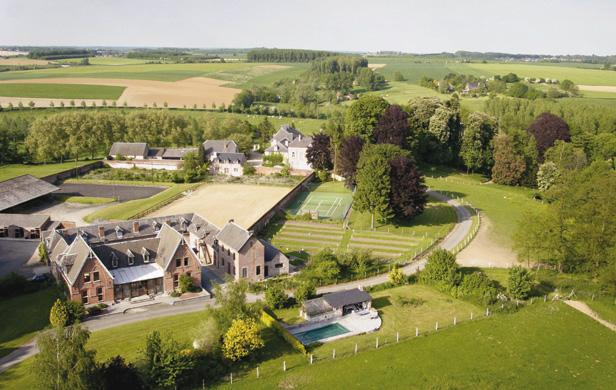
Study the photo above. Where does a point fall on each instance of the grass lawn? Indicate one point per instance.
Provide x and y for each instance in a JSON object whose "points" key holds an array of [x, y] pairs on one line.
{"points": [[40, 170], [504, 205], [23, 316], [131, 208], [61, 91], [83, 199], [541, 346]]}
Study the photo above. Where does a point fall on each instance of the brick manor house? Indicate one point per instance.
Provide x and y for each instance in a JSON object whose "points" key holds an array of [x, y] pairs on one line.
{"points": [[114, 261]]}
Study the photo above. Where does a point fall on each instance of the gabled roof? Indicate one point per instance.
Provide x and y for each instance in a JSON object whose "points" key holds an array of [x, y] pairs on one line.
{"points": [[121, 252], [219, 146], [347, 297], [231, 158], [233, 236], [21, 189], [24, 220], [300, 142], [169, 241], [278, 148], [287, 132], [129, 149], [272, 253], [177, 153], [79, 253]]}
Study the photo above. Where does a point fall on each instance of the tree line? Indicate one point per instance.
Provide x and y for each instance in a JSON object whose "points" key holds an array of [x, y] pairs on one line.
{"points": [[90, 134], [286, 55]]}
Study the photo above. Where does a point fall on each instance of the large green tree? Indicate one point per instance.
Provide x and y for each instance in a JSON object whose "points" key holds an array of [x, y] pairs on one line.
{"points": [[373, 190], [363, 115], [476, 148], [509, 165]]}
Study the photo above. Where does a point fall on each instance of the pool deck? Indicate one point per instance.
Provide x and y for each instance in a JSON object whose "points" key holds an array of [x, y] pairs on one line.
{"points": [[357, 323]]}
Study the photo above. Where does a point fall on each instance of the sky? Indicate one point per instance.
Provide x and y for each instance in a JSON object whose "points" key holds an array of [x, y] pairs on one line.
{"points": [[427, 26]]}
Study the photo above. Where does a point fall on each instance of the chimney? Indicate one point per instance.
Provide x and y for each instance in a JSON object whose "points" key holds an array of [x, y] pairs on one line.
{"points": [[231, 220], [101, 232], [135, 227]]}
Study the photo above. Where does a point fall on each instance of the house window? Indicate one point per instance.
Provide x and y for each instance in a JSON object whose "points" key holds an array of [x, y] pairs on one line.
{"points": [[99, 293], [4, 232], [19, 233], [279, 265], [293, 154], [233, 255], [258, 270], [84, 296], [244, 272], [186, 262], [146, 257], [114, 260], [178, 262], [86, 277], [131, 259], [176, 282], [95, 276], [223, 261]]}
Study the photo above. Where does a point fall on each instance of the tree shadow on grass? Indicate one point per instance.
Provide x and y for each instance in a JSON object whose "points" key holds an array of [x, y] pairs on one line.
{"points": [[381, 302]]}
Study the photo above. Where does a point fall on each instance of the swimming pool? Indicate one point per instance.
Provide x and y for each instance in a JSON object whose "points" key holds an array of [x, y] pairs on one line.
{"points": [[324, 332]]}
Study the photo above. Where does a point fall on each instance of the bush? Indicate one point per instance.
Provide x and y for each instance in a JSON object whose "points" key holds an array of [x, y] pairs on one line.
{"points": [[441, 270], [322, 175], [76, 312], [275, 297], [249, 170], [272, 160], [478, 287], [305, 291], [520, 282], [186, 284], [175, 294], [241, 339], [396, 276], [115, 373]]}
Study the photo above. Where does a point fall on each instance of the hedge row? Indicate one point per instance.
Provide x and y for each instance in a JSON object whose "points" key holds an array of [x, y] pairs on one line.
{"points": [[271, 322]]}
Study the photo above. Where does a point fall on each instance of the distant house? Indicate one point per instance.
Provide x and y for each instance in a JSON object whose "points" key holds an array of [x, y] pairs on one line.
{"points": [[26, 226], [140, 155], [470, 87], [336, 304], [22, 189], [224, 157], [292, 145]]}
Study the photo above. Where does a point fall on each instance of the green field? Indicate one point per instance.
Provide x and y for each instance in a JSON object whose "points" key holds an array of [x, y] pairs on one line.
{"points": [[503, 205], [541, 346], [239, 72], [61, 91], [23, 316], [577, 75], [130, 209], [105, 61], [10, 171], [83, 199]]}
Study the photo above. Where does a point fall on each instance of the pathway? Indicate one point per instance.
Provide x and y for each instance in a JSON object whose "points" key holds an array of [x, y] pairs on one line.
{"points": [[585, 309], [457, 234]]}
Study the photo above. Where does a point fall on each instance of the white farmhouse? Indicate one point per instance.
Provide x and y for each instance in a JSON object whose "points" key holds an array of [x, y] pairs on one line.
{"points": [[292, 145]]}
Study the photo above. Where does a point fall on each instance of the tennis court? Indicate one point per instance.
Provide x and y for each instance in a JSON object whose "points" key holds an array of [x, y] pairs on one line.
{"points": [[319, 201]]}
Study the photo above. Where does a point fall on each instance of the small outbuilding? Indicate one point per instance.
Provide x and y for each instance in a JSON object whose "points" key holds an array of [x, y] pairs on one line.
{"points": [[336, 304], [22, 189]]}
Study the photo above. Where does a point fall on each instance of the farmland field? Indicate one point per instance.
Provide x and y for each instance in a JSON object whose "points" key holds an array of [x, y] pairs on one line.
{"points": [[40, 170], [61, 91]]}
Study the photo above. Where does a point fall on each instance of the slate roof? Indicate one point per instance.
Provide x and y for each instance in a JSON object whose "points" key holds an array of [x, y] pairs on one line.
{"points": [[231, 158], [347, 297], [219, 146], [286, 132], [21, 189], [272, 253], [120, 251], [156, 152], [76, 256], [278, 148], [300, 142], [129, 149], [233, 236], [24, 220], [169, 240], [177, 153]]}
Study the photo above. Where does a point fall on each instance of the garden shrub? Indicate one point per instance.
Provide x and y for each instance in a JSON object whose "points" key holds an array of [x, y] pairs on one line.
{"points": [[275, 297], [186, 284], [520, 282], [441, 270], [271, 322], [478, 287], [305, 291]]}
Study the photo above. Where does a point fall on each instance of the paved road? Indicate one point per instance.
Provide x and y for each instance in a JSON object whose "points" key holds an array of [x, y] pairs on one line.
{"points": [[458, 233]]}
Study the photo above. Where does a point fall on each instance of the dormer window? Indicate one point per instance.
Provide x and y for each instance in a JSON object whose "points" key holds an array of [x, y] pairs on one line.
{"points": [[131, 257], [155, 226], [119, 232], [146, 255], [114, 260]]}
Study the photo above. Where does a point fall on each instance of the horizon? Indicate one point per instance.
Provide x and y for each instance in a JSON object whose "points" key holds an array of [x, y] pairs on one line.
{"points": [[476, 26]]}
